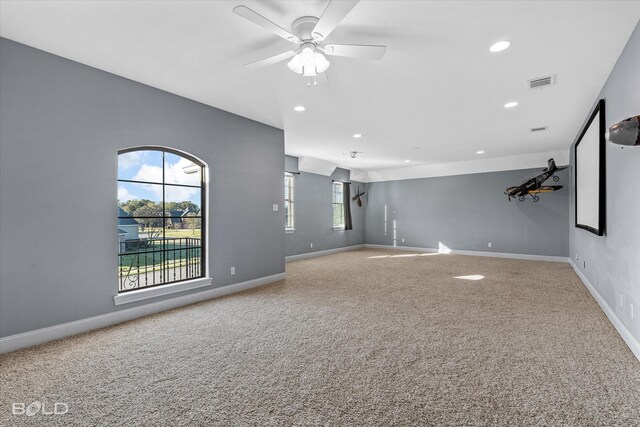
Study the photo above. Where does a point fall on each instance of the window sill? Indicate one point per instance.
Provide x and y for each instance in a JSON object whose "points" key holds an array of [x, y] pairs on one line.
{"points": [[338, 227], [157, 291], [289, 230]]}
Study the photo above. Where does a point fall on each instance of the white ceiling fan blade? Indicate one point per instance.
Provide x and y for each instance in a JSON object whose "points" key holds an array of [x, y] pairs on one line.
{"points": [[260, 20], [334, 13], [355, 51], [271, 60]]}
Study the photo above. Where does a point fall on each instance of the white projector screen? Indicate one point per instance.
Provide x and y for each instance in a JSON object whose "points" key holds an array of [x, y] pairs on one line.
{"points": [[589, 173]]}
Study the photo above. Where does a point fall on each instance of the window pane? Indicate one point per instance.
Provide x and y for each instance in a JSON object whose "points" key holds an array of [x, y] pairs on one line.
{"points": [[182, 200], [286, 214], [129, 231], [143, 165], [337, 192], [133, 197], [150, 229], [288, 187], [178, 170], [186, 227], [338, 214]]}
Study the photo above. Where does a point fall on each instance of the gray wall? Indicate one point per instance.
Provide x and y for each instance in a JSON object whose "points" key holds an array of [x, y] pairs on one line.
{"points": [[612, 262], [61, 127], [466, 212], [314, 214]]}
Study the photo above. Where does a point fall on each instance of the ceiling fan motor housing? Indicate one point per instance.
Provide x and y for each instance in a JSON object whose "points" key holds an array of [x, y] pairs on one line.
{"points": [[303, 27]]}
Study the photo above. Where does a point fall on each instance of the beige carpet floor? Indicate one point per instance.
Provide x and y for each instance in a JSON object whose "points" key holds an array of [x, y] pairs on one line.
{"points": [[362, 338]]}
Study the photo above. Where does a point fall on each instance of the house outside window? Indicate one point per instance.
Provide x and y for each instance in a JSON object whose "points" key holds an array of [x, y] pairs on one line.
{"points": [[338, 205], [161, 218], [288, 203]]}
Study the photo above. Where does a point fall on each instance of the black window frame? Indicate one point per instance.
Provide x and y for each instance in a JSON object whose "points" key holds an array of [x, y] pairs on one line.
{"points": [[202, 216]]}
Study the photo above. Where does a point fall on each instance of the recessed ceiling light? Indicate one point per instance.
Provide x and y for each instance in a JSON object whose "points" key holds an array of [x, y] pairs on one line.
{"points": [[407, 161], [500, 46], [480, 152], [510, 104], [299, 108], [357, 135]]}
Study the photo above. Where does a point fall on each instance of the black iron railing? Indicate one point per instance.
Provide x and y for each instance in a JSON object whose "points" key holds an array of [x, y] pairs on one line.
{"points": [[143, 263]]}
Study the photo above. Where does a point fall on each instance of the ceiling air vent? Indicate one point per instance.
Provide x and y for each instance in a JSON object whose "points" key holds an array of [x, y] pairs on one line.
{"points": [[539, 129], [542, 82]]}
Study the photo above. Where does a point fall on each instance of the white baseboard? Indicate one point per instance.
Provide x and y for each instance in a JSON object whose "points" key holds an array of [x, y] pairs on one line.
{"points": [[39, 336], [475, 253], [629, 339], [322, 253]]}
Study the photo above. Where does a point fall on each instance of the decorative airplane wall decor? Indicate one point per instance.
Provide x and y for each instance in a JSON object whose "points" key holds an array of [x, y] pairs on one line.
{"points": [[357, 197], [626, 132], [532, 187]]}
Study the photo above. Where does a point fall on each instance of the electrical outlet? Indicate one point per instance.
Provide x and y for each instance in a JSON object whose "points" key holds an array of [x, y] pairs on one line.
{"points": [[489, 245], [233, 271], [275, 207], [311, 245], [403, 240]]}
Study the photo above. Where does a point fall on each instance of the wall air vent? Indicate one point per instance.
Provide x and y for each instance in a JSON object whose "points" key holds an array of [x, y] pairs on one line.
{"points": [[541, 82], [538, 129]]}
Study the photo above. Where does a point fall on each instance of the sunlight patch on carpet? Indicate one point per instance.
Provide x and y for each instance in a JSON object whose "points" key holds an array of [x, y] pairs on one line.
{"points": [[473, 277]]}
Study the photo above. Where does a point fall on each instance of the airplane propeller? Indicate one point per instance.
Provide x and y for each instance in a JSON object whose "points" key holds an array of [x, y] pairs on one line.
{"points": [[357, 197]]}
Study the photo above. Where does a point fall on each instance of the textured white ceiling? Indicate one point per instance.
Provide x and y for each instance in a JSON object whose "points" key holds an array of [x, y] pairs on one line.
{"points": [[437, 96]]}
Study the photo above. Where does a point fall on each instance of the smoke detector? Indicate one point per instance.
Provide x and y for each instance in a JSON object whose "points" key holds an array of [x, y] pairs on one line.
{"points": [[353, 154]]}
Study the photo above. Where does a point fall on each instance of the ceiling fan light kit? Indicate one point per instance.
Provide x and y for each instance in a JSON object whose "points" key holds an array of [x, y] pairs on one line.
{"points": [[308, 32], [309, 61]]}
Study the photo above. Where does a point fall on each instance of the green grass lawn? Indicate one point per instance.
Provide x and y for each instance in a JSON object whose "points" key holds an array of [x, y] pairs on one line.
{"points": [[182, 233], [171, 233]]}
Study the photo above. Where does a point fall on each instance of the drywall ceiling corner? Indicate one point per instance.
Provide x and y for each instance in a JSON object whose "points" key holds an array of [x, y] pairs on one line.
{"points": [[317, 166], [359, 175]]}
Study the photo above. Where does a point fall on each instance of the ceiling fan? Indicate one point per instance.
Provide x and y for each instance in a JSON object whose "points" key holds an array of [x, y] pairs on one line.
{"points": [[309, 33]]}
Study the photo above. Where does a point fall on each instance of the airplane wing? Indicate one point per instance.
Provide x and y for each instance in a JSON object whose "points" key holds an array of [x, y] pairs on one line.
{"points": [[546, 189]]}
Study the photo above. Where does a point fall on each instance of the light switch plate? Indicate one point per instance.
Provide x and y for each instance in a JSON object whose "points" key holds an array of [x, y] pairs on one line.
{"points": [[275, 207]]}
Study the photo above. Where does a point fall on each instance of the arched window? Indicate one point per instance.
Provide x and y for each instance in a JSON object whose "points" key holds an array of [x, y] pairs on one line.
{"points": [[161, 218]]}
